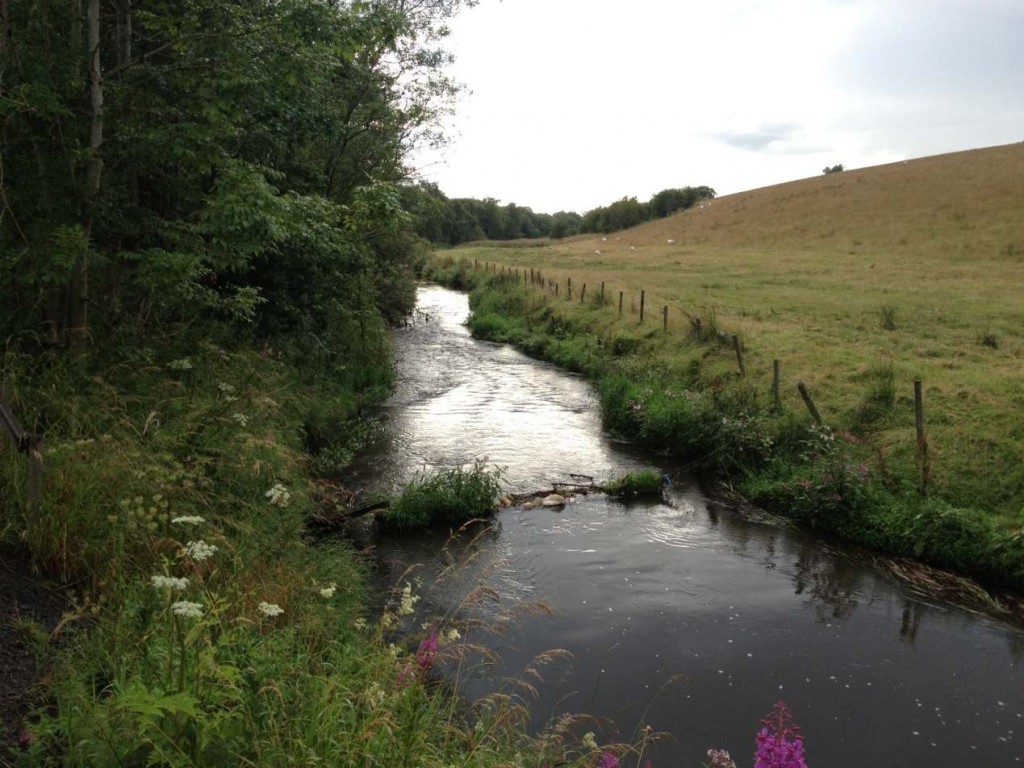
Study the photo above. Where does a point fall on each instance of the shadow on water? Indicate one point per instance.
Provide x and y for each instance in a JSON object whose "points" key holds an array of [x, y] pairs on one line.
{"points": [[686, 616]]}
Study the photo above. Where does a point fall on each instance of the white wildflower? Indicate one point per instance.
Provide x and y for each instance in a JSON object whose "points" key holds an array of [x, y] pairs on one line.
{"points": [[241, 419], [225, 388], [375, 695], [169, 582], [279, 495], [189, 520], [187, 610], [388, 620], [409, 600], [589, 742], [361, 624], [200, 550], [181, 364], [453, 635], [270, 610], [328, 592]]}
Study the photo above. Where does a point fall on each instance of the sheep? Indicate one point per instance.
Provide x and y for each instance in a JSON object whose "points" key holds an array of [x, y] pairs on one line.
{"points": [[671, 241], [632, 248], [597, 252]]}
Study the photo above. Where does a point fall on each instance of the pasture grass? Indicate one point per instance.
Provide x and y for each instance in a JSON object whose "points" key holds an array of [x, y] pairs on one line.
{"points": [[912, 269], [857, 284]]}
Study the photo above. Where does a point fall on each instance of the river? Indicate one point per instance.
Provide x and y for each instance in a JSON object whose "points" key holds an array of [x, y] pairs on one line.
{"points": [[685, 615]]}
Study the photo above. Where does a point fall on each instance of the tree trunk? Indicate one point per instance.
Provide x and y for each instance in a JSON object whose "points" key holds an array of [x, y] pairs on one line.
{"points": [[79, 322]]}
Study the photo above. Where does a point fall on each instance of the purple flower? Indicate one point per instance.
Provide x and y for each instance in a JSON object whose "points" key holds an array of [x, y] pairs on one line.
{"points": [[427, 650], [779, 744], [608, 760]]}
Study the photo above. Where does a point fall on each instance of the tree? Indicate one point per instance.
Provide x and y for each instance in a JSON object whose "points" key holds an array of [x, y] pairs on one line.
{"points": [[834, 169]]}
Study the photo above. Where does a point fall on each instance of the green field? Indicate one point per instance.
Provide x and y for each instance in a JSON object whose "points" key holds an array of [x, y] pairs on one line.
{"points": [[858, 283]]}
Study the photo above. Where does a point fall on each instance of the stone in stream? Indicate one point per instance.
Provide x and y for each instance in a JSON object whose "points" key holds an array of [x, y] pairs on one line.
{"points": [[553, 500]]}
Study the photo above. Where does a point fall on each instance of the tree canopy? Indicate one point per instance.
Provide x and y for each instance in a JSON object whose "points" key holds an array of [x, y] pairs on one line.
{"points": [[236, 160]]}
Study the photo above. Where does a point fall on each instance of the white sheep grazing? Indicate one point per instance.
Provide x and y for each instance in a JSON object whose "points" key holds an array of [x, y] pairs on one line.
{"points": [[597, 252], [604, 239], [632, 248], [671, 241]]}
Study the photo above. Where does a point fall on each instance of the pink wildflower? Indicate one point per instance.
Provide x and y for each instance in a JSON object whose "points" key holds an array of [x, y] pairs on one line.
{"points": [[608, 760], [779, 743], [427, 650]]}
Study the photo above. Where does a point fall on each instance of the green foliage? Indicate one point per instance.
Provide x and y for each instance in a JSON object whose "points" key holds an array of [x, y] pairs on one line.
{"points": [[833, 169], [644, 482], [448, 496]]}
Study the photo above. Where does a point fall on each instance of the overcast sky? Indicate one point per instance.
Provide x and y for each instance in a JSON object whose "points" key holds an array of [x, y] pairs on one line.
{"points": [[573, 104]]}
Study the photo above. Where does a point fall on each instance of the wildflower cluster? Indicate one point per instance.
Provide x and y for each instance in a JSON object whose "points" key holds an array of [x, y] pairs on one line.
{"points": [[406, 606], [241, 419], [139, 514], [278, 495], [745, 437], [200, 550], [181, 364], [187, 610], [270, 610], [169, 583], [188, 520], [779, 743]]}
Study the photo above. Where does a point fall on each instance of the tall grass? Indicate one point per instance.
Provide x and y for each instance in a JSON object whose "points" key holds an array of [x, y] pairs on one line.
{"points": [[447, 496]]}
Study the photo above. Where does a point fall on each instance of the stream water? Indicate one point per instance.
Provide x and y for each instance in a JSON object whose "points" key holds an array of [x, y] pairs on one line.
{"points": [[687, 616]]}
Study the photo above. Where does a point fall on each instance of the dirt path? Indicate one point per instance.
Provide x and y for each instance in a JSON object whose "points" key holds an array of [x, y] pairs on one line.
{"points": [[23, 596]]}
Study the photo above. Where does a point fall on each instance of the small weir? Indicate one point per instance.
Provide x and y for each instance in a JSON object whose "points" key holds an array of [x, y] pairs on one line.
{"points": [[684, 615]]}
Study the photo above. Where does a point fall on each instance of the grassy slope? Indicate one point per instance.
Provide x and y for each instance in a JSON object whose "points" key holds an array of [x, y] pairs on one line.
{"points": [[804, 273]]}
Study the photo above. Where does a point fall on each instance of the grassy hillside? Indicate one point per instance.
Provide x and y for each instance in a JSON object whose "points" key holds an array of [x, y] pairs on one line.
{"points": [[858, 283]]}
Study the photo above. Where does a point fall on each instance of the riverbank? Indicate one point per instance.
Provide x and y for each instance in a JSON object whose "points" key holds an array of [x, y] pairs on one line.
{"points": [[684, 395], [202, 624]]}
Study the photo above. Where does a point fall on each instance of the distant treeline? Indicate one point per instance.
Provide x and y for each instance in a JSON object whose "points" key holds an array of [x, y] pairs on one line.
{"points": [[461, 220]]}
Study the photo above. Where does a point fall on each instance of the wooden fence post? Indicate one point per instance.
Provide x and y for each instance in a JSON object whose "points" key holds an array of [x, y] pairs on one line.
{"points": [[568, 282], [922, 440], [583, 293], [809, 402], [776, 391], [642, 306], [739, 355], [664, 319], [602, 291], [620, 303]]}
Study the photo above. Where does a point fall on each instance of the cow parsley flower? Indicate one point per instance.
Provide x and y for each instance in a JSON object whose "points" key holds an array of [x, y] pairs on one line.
{"points": [[328, 592], [278, 495], [409, 600], [169, 583], [270, 610], [452, 635], [189, 520], [200, 550], [241, 419], [187, 610], [181, 364]]}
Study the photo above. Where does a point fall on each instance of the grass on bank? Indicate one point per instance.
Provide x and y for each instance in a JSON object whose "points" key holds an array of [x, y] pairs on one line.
{"points": [[206, 628]]}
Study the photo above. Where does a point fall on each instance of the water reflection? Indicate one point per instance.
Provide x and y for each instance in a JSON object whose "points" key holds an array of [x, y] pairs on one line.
{"points": [[829, 581]]}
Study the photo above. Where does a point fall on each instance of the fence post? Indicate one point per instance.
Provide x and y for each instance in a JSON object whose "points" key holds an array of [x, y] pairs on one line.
{"points": [[602, 291], [922, 441], [809, 402], [568, 282], [642, 306], [620, 303], [739, 355], [583, 293], [664, 319], [556, 290], [776, 391]]}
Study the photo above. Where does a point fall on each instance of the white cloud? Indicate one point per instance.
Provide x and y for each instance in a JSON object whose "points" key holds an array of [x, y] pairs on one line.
{"points": [[575, 103]]}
